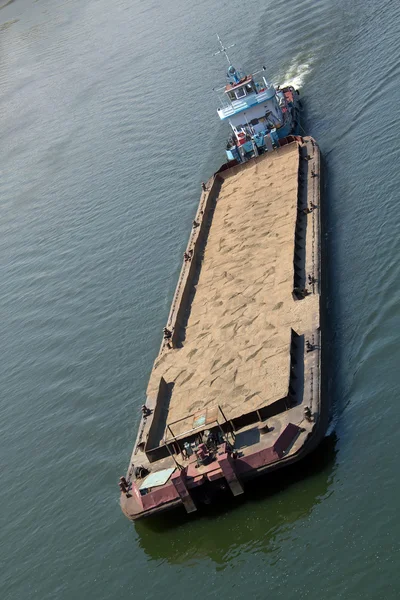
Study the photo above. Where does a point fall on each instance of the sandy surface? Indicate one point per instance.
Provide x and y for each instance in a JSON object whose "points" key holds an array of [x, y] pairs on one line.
{"points": [[236, 351]]}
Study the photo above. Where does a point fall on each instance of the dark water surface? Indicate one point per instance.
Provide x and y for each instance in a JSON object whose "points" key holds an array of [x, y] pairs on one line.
{"points": [[107, 127]]}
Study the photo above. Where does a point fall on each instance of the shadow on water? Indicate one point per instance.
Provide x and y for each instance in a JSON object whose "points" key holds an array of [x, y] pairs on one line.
{"points": [[268, 507]]}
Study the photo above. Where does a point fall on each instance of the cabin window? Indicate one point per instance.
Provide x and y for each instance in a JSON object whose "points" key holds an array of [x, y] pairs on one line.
{"points": [[231, 96], [249, 88], [240, 92]]}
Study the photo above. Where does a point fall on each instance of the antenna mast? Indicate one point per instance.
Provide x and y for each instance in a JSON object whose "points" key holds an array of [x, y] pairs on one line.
{"points": [[223, 49]]}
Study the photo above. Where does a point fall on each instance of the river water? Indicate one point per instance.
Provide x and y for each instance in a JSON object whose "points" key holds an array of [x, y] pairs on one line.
{"points": [[108, 125]]}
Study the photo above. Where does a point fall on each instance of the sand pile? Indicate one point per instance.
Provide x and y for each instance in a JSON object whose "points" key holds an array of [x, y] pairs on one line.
{"points": [[236, 348]]}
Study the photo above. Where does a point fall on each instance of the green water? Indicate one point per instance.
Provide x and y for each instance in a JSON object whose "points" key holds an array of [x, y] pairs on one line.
{"points": [[108, 125]]}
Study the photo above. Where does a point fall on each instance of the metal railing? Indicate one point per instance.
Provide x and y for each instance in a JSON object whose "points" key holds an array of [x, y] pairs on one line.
{"points": [[201, 426]]}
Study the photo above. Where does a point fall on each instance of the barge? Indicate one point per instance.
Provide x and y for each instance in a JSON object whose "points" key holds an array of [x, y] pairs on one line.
{"points": [[235, 391]]}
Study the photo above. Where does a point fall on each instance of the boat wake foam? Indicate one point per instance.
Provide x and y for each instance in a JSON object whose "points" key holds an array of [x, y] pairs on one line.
{"points": [[296, 73], [332, 426]]}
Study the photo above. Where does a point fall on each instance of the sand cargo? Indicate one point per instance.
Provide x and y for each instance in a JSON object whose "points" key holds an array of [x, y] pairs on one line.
{"points": [[235, 391]]}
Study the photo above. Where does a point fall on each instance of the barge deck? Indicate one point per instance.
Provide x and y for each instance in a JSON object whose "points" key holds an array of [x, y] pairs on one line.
{"points": [[236, 388]]}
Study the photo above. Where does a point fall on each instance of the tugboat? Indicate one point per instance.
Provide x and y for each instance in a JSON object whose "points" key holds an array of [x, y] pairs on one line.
{"points": [[258, 113], [235, 391]]}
